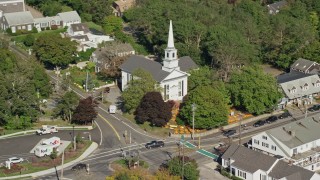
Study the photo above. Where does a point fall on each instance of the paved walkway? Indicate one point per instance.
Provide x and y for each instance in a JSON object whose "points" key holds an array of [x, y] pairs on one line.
{"points": [[208, 172], [92, 148]]}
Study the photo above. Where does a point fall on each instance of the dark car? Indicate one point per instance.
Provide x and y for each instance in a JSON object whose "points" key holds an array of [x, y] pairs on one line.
{"points": [[284, 115], [314, 108], [79, 167], [259, 123], [154, 144], [229, 132], [271, 119]]}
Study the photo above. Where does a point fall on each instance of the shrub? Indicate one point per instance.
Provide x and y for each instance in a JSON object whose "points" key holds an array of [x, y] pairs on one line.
{"points": [[54, 27], [47, 28], [29, 40], [9, 31], [54, 154], [34, 30]]}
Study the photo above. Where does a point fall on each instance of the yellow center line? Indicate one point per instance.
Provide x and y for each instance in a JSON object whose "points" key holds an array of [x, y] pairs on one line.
{"points": [[110, 126]]}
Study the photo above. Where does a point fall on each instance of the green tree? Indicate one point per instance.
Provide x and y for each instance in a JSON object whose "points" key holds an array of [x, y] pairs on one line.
{"points": [[55, 51], [152, 108], [51, 8], [29, 40], [67, 105], [190, 166], [200, 77], [141, 83], [253, 90], [211, 107], [112, 24]]}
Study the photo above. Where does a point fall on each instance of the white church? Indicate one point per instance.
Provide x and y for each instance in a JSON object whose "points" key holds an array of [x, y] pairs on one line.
{"points": [[171, 74]]}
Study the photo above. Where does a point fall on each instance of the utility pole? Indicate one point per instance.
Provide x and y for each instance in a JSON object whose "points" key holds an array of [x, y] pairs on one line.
{"points": [[182, 176], [199, 142], [62, 161], [130, 137], [240, 120], [87, 81], [193, 106]]}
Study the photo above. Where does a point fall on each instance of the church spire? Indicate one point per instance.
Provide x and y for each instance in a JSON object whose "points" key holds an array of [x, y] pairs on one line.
{"points": [[170, 37]]}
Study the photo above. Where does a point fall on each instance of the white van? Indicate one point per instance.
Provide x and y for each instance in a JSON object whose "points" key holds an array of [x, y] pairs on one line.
{"points": [[54, 142], [43, 150], [47, 130], [112, 109]]}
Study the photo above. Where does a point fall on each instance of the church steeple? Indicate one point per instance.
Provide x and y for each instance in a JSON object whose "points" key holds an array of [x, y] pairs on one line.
{"points": [[170, 37], [170, 61]]}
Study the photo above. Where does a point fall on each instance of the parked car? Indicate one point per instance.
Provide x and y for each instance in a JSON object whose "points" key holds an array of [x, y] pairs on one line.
{"points": [[154, 144], [314, 108], [220, 149], [284, 115], [15, 160], [229, 132], [79, 167], [272, 119], [259, 123]]}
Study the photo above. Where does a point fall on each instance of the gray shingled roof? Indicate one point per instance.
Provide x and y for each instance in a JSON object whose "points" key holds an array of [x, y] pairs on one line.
{"points": [[80, 27], [69, 16], [247, 159], [297, 133], [302, 64], [19, 18], [186, 64], [11, 7], [297, 81], [290, 172], [47, 19], [154, 68], [274, 7]]}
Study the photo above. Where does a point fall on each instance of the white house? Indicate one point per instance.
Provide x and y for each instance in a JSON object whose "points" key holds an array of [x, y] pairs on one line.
{"points": [[252, 165], [298, 141], [172, 74], [17, 21], [68, 18], [305, 66]]}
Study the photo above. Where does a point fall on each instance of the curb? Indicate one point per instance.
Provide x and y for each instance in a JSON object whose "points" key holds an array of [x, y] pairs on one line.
{"points": [[90, 149], [32, 131], [227, 126]]}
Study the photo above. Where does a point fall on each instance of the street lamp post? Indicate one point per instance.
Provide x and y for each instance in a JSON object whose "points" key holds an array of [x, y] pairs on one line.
{"points": [[193, 106], [73, 138]]}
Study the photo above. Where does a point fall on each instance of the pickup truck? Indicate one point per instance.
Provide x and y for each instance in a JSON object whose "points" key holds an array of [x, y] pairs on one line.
{"points": [[47, 130]]}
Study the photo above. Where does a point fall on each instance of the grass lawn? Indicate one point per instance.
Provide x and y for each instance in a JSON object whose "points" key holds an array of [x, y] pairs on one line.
{"points": [[20, 38], [94, 26], [158, 131], [31, 168]]}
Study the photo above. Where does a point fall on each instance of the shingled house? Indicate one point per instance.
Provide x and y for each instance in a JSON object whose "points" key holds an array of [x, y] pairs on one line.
{"points": [[252, 165], [298, 142], [120, 6], [171, 74]]}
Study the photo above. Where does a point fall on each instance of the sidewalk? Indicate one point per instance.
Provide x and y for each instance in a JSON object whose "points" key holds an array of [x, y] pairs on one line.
{"points": [[92, 148], [33, 131]]}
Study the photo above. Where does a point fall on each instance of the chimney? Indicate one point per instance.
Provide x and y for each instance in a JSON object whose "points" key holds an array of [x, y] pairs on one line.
{"points": [[292, 133], [284, 128]]}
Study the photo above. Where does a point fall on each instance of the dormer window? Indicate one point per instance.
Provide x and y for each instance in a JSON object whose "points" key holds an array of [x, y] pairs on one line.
{"points": [[297, 64], [305, 86], [318, 83], [293, 90], [167, 55]]}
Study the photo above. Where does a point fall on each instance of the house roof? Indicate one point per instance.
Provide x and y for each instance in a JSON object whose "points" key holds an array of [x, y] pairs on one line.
{"points": [[69, 16], [80, 37], [47, 19], [10, 7], [296, 81], [297, 133], [80, 27], [302, 64], [19, 18], [115, 47], [275, 7], [124, 5], [154, 68], [290, 172], [247, 159]]}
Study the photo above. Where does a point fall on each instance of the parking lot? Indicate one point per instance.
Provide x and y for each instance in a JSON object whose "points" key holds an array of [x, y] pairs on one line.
{"points": [[21, 146]]}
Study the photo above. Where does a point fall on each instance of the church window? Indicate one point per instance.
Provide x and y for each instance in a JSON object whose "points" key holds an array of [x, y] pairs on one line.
{"points": [[166, 92], [180, 88], [167, 55], [173, 54]]}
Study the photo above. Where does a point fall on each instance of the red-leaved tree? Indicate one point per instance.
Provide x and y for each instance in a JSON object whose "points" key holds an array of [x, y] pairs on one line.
{"points": [[85, 112]]}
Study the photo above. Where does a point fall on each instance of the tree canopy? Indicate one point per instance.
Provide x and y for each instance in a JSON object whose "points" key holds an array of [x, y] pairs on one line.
{"points": [[190, 168], [85, 112], [141, 83], [152, 108], [54, 50], [253, 90], [23, 85], [211, 107], [67, 105]]}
